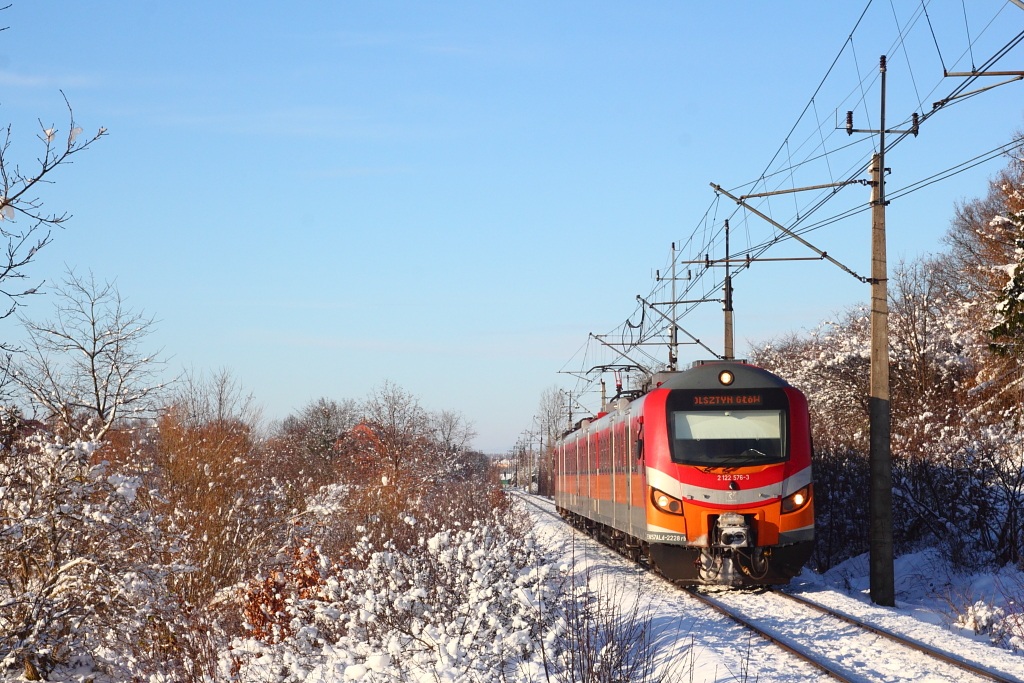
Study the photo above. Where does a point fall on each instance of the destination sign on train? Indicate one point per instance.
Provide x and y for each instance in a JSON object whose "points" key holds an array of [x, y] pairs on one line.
{"points": [[727, 400]]}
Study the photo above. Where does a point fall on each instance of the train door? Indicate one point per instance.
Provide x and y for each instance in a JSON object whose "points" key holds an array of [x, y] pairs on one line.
{"points": [[601, 478], [627, 467], [613, 479], [621, 478], [606, 478], [639, 479], [592, 472]]}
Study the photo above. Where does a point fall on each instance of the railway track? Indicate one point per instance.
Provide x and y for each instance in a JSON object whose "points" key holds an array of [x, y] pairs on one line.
{"points": [[868, 652], [956, 661]]}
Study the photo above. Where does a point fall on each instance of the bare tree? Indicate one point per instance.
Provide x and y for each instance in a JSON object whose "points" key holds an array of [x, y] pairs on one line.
{"points": [[85, 368], [553, 413], [200, 399], [24, 221], [552, 421], [309, 447], [318, 427], [401, 429], [452, 432]]}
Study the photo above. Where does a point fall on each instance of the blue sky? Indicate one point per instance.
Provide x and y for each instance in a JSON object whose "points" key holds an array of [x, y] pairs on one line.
{"points": [[323, 196]]}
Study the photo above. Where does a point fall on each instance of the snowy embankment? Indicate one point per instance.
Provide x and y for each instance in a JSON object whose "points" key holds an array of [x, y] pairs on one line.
{"points": [[690, 643]]}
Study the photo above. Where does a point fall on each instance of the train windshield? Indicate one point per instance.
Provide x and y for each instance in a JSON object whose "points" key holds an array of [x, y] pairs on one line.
{"points": [[728, 438]]}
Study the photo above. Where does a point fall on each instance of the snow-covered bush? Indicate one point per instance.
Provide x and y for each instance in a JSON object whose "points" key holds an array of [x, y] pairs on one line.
{"points": [[966, 493], [467, 603], [980, 617], [601, 640], [1011, 628], [1004, 628], [220, 496], [82, 569]]}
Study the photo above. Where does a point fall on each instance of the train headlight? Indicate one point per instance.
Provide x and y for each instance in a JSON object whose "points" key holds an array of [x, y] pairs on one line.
{"points": [[725, 377], [795, 501], [666, 503]]}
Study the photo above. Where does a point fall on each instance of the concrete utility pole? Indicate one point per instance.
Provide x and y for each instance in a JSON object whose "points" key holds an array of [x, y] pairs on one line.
{"points": [[880, 542], [883, 581], [883, 591]]}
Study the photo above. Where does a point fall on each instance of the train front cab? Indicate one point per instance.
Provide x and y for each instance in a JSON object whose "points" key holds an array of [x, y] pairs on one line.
{"points": [[729, 473]]}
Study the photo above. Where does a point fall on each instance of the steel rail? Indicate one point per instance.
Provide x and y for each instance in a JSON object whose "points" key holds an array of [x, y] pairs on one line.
{"points": [[775, 639], [902, 640]]}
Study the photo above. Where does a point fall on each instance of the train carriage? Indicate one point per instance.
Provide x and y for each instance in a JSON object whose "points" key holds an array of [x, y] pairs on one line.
{"points": [[708, 476]]}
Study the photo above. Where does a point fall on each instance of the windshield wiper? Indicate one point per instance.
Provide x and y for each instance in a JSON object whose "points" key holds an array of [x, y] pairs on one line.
{"points": [[748, 457]]}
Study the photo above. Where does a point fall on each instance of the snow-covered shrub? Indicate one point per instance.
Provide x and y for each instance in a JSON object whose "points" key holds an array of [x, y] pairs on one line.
{"points": [[468, 603], [966, 493], [980, 617], [1013, 630], [337, 516], [601, 640], [267, 601], [82, 568], [1011, 627], [1003, 628], [220, 497]]}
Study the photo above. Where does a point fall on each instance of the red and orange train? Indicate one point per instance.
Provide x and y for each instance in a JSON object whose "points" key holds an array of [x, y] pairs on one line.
{"points": [[707, 476]]}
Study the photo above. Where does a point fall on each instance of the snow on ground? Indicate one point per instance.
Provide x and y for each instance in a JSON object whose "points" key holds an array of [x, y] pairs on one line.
{"points": [[692, 643]]}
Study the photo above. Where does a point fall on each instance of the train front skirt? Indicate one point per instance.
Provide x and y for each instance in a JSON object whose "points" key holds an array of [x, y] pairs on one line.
{"points": [[773, 565]]}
